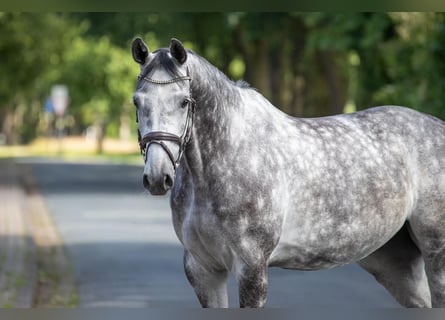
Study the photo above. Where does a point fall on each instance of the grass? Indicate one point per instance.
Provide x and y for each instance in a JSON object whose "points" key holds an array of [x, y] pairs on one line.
{"points": [[76, 149], [7, 305], [50, 290], [14, 282], [2, 260]]}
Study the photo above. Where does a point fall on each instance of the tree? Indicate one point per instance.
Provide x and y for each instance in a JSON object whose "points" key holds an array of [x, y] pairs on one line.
{"points": [[308, 64], [28, 52], [101, 77]]}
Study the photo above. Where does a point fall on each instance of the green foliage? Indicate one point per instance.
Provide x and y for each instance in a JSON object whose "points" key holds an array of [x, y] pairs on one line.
{"points": [[31, 47], [308, 64], [411, 65], [101, 79], [28, 49]]}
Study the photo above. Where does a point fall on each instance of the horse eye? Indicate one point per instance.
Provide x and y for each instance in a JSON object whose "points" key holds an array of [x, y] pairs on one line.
{"points": [[185, 103]]}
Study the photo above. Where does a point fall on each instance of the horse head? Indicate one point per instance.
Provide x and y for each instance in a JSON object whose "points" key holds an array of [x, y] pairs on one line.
{"points": [[164, 109]]}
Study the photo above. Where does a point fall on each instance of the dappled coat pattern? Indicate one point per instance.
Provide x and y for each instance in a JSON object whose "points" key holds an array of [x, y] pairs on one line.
{"points": [[256, 188]]}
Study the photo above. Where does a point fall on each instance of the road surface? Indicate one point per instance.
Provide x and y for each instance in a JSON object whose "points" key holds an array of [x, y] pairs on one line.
{"points": [[125, 253]]}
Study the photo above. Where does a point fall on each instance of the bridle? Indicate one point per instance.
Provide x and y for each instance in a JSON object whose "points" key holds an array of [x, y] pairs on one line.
{"points": [[158, 137]]}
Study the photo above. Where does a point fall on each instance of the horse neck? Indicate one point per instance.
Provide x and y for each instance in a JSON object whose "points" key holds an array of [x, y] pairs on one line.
{"points": [[217, 98], [217, 102], [214, 93], [227, 120]]}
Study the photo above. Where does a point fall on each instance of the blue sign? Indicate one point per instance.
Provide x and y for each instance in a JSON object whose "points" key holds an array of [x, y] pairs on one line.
{"points": [[49, 107]]}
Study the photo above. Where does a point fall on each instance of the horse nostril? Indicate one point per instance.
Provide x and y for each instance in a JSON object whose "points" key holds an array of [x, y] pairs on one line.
{"points": [[168, 182], [145, 181]]}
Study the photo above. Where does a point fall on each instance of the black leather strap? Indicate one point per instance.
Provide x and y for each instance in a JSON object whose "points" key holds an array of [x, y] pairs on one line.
{"points": [[166, 149], [158, 137]]}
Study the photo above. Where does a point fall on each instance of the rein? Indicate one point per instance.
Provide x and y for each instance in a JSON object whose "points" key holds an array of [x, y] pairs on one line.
{"points": [[158, 137]]}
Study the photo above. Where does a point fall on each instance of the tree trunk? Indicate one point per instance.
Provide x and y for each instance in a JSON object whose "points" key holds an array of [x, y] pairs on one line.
{"points": [[297, 83], [8, 127], [256, 60], [261, 72], [334, 81], [279, 65], [100, 136], [13, 121]]}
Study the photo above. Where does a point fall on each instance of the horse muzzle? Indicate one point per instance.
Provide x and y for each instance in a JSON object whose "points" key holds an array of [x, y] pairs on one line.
{"points": [[159, 186], [159, 173]]}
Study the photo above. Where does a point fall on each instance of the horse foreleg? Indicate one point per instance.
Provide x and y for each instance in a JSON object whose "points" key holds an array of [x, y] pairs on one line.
{"points": [[210, 286], [252, 283]]}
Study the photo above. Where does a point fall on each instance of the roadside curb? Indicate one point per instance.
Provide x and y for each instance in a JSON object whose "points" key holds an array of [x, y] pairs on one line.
{"points": [[17, 250], [32, 250]]}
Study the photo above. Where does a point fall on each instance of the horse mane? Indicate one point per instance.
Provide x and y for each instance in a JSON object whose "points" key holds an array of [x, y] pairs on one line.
{"points": [[205, 76], [243, 84], [213, 72]]}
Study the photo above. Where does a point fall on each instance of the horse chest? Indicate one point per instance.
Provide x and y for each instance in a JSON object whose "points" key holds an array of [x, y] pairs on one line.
{"points": [[219, 236], [196, 226], [203, 236]]}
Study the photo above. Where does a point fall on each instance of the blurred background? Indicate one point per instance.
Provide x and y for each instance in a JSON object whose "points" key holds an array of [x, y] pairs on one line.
{"points": [[77, 227], [307, 64]]}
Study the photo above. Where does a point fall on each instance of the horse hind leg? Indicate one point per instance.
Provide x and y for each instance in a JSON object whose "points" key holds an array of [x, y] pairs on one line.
{"points": [[399, 267], [429, 232]]}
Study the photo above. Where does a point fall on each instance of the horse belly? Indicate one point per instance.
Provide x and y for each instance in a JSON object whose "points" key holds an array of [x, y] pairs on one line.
{"points": [[347, 199], [344, 247], [324, 240]]}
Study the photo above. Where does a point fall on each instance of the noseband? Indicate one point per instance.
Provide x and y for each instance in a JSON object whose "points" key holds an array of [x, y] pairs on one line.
{"points": [[159, 137]]}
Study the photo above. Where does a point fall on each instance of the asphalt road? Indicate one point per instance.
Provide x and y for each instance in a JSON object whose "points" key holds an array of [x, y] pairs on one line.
{"points": [[125, 253]]}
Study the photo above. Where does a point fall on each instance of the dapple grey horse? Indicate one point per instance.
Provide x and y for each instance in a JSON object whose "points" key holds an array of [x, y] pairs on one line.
{"points": [[252, 187]]}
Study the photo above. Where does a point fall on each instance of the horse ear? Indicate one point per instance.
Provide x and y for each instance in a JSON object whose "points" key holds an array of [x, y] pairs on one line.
{"points": [[177, 50], [140, 51]]}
